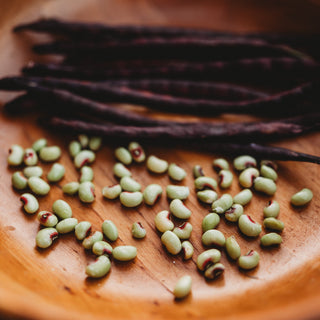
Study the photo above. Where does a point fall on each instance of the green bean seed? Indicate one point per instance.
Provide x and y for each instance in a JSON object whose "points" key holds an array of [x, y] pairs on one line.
{"points": [[89, 241], [45, 237], [214, 271], [273, 224], [225, 179], [302, 197], [47, 219], [265, 185], [38, 186], [110, 230], [179, 210], [123, 155], [99, 268], [16, 154], [62, 209], [248, 176], [86, 174], [71, 188], [33, 171], [183, 231], [83, 139], [74, 148], [210, 221], [86, 192], [19, 181], [56, 172], [82, 230], [269, 163], [129, 184], [183, 287], [233, 214], [163, 222], [233, 248], [172, 242], [50, 154], [220, 164], [249, 261], [157, 165], [66, 225], [138, 231], [187, 249], [243, 197], [197, 171], [207, 258], [131, 199], [268, 172], [112, 192], [30, 203], [83, 158], [102, 247], [95, 143], [207, 196], [270, 239], [124, 253], [243, 162], [152, 193], [30, 157], [137, 153], [39, 144], [213, 237], [176, 173], [201, 183], [248, 226], [272, 209], [119, 170], [177, 192], [222, 204]]}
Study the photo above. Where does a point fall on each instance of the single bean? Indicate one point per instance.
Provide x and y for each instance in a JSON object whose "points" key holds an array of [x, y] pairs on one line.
{"points": [[172, 242], [233, 214], [163, 222], [123, 155], [225, 179], [272, 209], [124, 253], [33, 171], [39, 144], [273, 224], [269, 163], [131, 199], [138, 231], [19, 181], [83, 158], [249, 261], [210, 221], [16, 154], [62, 209], [176, 173], [270, 239], [110, 230], [220, 164], [83, 140], [71, 188], [47, 219], [183, 287], [248, 176], [157, 165], [177, 192], [30, 157], [86, 192], [95, 143], [265, 185], [50, 154], [197, 171], [207, 258], [30, 203], [302, 197], [152, 193], [86, 174], [233, 248], [102, 247], [120, 170], [38, 186], [99, 268], [179, 210], [45, 237], [201, 183], [66, 225], [183, 231], [74, 148], [213, 237], [243, 197], [112, 192], [187, 249], [89, 241], [82, 230], [222, 204], [248, 226], [56, 172], [214, 271], [137, 152], [268, 172], [207, 196], [243, 162], [129, 184]]}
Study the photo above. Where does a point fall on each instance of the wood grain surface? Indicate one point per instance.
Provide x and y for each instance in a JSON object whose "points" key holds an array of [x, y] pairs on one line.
{"points": [[51, 283]]}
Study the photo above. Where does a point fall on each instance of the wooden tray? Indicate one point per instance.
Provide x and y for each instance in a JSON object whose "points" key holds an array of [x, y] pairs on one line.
{"points": [[51, 284]]}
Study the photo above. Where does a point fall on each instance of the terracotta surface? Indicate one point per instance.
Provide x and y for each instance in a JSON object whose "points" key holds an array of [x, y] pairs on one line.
{"points": [[51, 284]]}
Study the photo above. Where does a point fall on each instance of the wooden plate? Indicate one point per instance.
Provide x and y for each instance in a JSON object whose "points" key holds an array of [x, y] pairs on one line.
{"points": [[51, 284]]}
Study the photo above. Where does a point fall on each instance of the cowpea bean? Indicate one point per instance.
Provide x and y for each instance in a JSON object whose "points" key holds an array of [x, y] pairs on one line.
{"points": [[19, 181], [183, 231], [243, 197], [110, 230], [74, 148], [129, 184], [233, 248], [207, 258], [30, 203], [177, 192], [152, 193], [187, 249], [99, 268], [225, 179], [138, 231], [56, 172], [45, 237], [270, 239], [30, 157], [197, 171], [123, 155], [62, 209], [112, 192], [119, 170], [302, 197], [249, 260], [83, 158], [272, 209], [248, 226], [124, 253], [89, 241], [131, 199], [273, 224], [95, 143], [156, 165], [16, 154], [213, 237], [137, 152], [268, 172], [205, 182], [102, 247], [265, 185], [220, 164], [248, 176], [243, 162], [83, 140], [71, 188], [207, 196], [233, 214], [86, 174], [172, 242], [50, 154], [39, 144], [163, 222], [214, 271], [183, 287], [86, 192], [222, 204], [210, 221], [176, 173], [47, 219], [82, 230], [66, 225], [38, 186], [269, 163], [33, 171], [179, 210]]}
